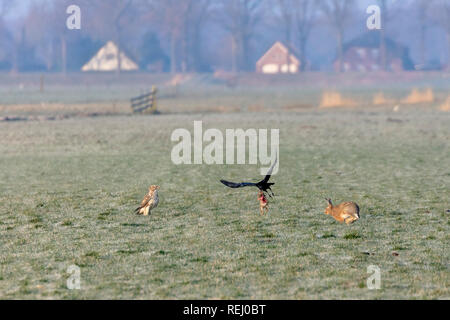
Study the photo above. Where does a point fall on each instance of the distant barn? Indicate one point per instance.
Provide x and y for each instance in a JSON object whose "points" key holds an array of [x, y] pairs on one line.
{"points": [[278, 59], [107, 59], [363, 54]]}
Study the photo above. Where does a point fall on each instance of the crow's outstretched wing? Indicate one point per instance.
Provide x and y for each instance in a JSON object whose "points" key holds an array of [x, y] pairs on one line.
{"points": [[237, 185], [269, 173]]}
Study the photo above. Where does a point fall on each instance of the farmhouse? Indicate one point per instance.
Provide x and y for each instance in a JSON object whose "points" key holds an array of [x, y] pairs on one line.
{"points": [[278, 59], [107, 59], [363, 54]]}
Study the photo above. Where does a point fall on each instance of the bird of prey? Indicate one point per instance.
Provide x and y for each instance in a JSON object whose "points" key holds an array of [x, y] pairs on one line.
{"points": [[150, 201], [263, 185]]}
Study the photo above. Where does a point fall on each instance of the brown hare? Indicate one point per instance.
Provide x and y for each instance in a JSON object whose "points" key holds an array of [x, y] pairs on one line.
{"points": [[347, 212]]}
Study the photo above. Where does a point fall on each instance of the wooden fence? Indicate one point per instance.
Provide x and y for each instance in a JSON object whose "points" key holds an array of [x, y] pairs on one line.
{"points": [[145, 103]]}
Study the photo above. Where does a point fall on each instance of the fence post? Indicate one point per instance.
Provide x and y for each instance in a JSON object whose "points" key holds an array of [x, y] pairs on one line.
{"points": [[153, 98], [145, 103]]}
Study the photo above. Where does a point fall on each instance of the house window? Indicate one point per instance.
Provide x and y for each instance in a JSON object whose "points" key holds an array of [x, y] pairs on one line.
{"points": [[361, 52], [346, 66], [375, 53], [270, 68]]}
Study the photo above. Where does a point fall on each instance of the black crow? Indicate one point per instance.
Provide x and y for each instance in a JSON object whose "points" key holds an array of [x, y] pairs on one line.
{"points": [[263, 185]]}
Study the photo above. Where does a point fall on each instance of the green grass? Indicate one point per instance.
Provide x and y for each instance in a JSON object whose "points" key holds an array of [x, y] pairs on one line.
{"points": [[68, 189], [107, 93]]}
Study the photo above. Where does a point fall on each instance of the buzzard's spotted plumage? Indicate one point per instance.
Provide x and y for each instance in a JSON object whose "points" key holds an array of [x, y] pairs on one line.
{"points": [[150, 201]]}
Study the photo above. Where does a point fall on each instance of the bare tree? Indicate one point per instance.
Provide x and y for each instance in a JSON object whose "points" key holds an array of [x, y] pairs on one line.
{"points": [[386, 16], [188, 29], [444, 6], [5, 8], [111, 20], [46, 29], [181, 22], [239, 18], [389, 11], [56, 26], [121, 10], [304, 13], [38, 27], [172, 16], [198, 14], [423, 6], [441, 10], [338, 13], [298, 14], [385, 19], [286, 17]]}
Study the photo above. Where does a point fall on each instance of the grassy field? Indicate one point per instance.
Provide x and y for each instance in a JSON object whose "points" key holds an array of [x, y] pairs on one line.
{"points": [[68, 189], [205, 93]]}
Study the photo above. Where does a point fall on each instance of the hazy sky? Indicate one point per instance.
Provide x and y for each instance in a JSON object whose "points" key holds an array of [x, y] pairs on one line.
{"points": [[20, 7], [23, 4]]}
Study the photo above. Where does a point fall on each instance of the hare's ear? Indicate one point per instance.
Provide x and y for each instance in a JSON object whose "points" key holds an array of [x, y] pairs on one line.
{"points": [[329, 201]]}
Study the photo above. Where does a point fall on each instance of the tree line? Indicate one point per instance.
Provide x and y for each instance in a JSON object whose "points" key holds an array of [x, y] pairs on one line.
{"points": [[206, 35]]}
